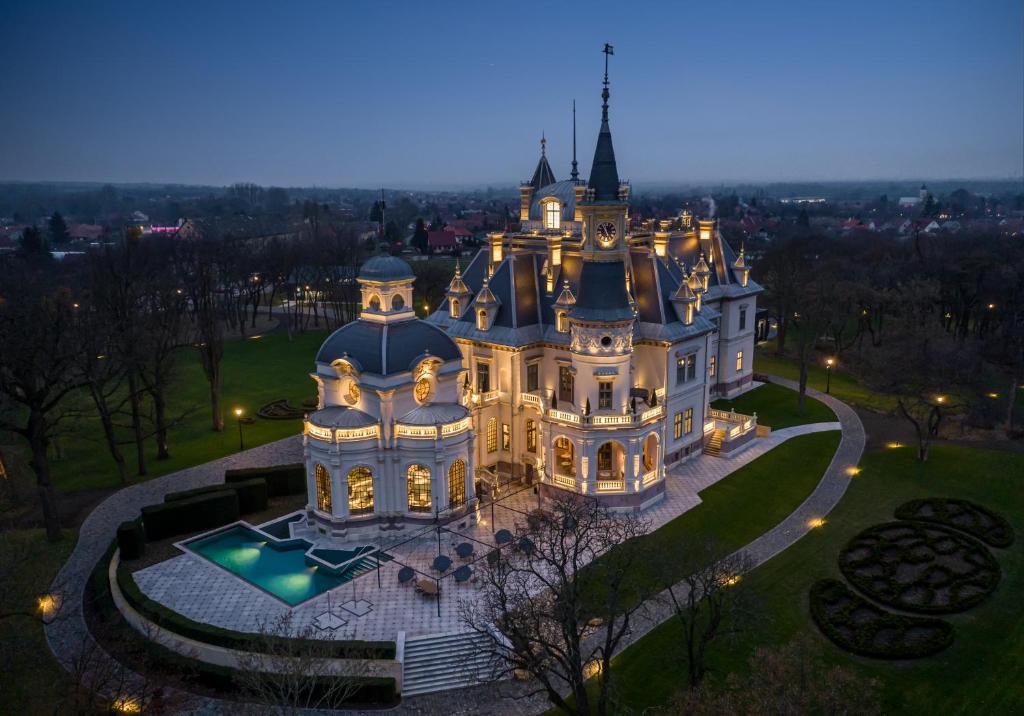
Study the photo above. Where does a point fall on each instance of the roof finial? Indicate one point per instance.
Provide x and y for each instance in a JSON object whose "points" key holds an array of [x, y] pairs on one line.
{"points": [[608, 50], [543, 143], [575, 172]]}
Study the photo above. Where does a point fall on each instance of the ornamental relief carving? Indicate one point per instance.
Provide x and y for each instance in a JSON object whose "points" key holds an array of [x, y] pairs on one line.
{"points": [[598, 341]]}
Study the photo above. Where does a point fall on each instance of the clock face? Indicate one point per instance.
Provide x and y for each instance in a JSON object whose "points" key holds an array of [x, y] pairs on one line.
{"points": [[421, 391], [606, 234]]}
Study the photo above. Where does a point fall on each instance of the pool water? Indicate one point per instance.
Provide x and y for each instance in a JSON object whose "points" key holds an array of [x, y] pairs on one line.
{"points": [[278, 567]]}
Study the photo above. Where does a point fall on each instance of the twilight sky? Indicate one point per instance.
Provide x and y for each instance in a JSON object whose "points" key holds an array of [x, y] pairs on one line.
{"points": [[420, 94]]}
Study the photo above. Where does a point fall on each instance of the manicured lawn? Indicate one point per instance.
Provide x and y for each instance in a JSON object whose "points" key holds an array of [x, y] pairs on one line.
{"points": [[254, 372], [983, 672], [776, 406], [842, 385]]}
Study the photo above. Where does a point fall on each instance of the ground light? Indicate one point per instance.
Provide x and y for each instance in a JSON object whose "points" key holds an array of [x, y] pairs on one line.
{"points": [[829, 362], [853, 471], [816, 522], [238, 419], [894, 445], [47, 605], [126, 705]]}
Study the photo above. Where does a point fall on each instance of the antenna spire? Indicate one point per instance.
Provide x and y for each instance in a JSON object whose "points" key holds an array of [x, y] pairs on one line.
{"points": [[575, 171], [543, 143], [608, 51]]}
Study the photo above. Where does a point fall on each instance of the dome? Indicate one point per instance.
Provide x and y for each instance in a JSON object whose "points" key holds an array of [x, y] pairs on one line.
{"points": [[386, 268], [387, 348], [434, 414], [338, 416]]}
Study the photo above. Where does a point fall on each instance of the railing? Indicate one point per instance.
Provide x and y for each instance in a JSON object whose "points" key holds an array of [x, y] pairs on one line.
{"points": [[733, 423], [415, 431], [611, 485], [564, 416], [342, 434], [485, 397], [532, 399], [654, 412], [566, 481], [611, 420], [709, 426], [650, 476], [457, 427]]}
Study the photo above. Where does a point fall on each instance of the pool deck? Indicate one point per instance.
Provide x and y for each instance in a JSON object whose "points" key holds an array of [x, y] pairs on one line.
{"points": [[194, 587]]}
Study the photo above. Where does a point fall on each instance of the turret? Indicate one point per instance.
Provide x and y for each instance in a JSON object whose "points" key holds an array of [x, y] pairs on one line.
{"points": [[563, 304], [685, 303], [458, 294], [486, 306], [702, 269], [741, 269]]}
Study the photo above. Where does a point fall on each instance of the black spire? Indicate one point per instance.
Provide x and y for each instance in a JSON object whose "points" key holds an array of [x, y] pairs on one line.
{"points": [[604, 174], [542, 175], [575, 170]]}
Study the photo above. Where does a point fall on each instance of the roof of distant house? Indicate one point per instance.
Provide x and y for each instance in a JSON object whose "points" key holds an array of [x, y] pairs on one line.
{"points": [[443, 239]]}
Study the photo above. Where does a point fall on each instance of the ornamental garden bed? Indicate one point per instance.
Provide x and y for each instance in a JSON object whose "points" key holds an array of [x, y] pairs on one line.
{"points": [[920, 567], [858, 626], [962, 515]]}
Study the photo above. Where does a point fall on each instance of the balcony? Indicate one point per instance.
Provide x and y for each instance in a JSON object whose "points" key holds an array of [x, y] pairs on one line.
{"points": [[338, 435], [566, 481], [532, 399]]}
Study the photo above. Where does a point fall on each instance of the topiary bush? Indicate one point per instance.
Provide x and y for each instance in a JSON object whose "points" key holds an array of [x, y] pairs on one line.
{"points": [[191, 514], [856, 625], [920, 567], [962, 515], [252, 494], [131, 540], [281, 480]]}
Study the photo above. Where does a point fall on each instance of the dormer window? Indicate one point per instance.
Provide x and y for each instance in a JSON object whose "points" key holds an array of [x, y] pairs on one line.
{"points": [[561, 322], [397, 302], [481, 319], [454, 307], [552, 214], [374, 302]]}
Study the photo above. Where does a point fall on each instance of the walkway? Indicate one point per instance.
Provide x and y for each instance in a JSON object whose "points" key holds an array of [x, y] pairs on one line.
{"points": [[67, 636]]}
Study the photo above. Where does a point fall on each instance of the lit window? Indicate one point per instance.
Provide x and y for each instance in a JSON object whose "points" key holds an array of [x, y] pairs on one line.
{"points": [[481, 319], [360, 491], [604, 395], [686, 368], [455, 308], [552, 215], [562, 322], [711, 367], [565, 456], [483, 377], [677, 426], [375, 302], [323, 488], [531, 436], [506, 436], [532, 377], [566, 384], [457, 484], [743, 318], [604, 457], [418, 478], [739, 361], [492, 435], [688, 427]]}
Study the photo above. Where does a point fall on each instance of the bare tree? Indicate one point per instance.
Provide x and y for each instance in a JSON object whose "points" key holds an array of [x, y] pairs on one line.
{"points": [[291, 670], [558, 608]]}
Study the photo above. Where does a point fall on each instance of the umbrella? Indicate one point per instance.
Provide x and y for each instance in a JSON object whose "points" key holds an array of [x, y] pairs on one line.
{"points": [[441, 563], [526, 545], [503, 537], [464, 550], [463, 573], [405, 574]]}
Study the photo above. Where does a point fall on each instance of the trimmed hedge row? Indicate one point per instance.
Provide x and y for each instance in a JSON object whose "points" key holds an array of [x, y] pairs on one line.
{"points": [[252, 494], [191, 514], [961, 515], [377, 691], [856, 625], [130, 539], [282, 480], [244, 641], [920, 567]]}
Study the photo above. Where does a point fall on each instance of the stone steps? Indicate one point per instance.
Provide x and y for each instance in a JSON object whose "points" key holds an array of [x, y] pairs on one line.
{"points": [[444, 661], [713, 446]]}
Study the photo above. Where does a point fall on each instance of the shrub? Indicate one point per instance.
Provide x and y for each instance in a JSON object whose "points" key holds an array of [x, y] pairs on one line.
{"points": [[252, 494], [190, 514], [130, 539], [281, 480], [962, 515], [920, 567], [856, 625]]}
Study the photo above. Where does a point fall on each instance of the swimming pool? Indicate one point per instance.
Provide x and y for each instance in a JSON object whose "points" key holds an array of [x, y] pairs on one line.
{"points": [[283, 568]]}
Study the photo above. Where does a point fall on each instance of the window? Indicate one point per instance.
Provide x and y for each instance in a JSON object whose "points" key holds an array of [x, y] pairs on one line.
{"points": [[563, 323], [677, 426], [481, 319], [711, 367], [604, 457], [739, 361], [686, 368], [552, 214], [688, 427], [566, 384], [360, 491], [418, 479], [506, 436], [375, 302], [532, 377], [492, 435], [483, 377], [743, 318], [565, 456], [531, 436], [650, 452], [397, 302], [457, 484], [604, 395], [454, 305], [323, 488]]}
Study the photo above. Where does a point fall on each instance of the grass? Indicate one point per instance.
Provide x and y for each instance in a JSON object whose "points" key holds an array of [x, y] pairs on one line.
{"points": [[32, 680], [254, 372], [983, 672], [777, 406]]}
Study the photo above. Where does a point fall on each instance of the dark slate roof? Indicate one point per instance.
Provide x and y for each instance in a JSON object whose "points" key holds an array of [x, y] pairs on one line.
{"points": [[386, 268], [434, 413], [602, 292], [542, 175], [564, 191], [387, 348], [338, 416], [604, 174]]}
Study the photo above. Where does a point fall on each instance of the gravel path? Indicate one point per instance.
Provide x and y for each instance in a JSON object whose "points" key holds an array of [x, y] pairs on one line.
{"points": [[67, 635]]}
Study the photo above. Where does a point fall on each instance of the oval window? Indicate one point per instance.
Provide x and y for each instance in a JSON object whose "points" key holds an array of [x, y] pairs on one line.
{"points": [[606, 341]]}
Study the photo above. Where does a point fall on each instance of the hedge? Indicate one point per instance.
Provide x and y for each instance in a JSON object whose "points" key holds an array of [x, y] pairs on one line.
{"points": [[281, 480], [252, 494], [856, 625], [961, 515], [243, 641], [130, 539], [190, 515], [375, 691]]}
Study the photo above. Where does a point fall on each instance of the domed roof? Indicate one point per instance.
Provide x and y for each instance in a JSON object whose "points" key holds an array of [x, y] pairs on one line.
{"points": [[338, 416], [387, 348], [434, 414], [386, 268]]}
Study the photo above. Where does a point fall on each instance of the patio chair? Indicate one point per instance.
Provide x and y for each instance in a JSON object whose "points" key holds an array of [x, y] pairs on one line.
{"points": [[463, 573], [406, 574], [503, 536], [464, 550], [442, 563]]}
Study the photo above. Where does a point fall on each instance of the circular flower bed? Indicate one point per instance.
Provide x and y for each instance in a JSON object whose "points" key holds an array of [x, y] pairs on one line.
{"points": [[962, 515], [858, 626], [920, 567], [280, 410]]}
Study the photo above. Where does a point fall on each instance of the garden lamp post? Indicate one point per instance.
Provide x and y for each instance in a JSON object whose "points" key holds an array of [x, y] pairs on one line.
{"points": [[828, 374], [238, 419]]}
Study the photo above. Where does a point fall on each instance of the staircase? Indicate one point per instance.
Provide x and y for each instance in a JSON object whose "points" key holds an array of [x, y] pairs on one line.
{"points": [[714, 444], [444, 661]]}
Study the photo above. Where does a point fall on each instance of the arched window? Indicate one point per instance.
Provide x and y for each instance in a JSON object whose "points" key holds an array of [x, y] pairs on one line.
{"points": [[611, 459], [374, 302], [531, 435], [397, 302], [323, 488], [650, 452], [552, 214], [418, 478], [457, 484], [565, 457], [481, 319], [454, 305], [562, 325], [360, 491], [492, 435]]}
